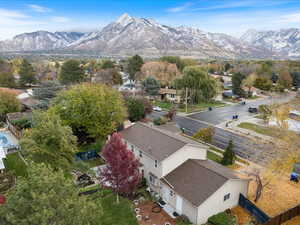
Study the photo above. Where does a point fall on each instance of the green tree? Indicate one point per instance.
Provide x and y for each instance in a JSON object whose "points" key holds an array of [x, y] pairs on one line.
{"points": [[7, 80], [198, 84], [263, 83], [27, 74], [8, 103], [151, 86], [71, 72], [47, 198], [174, 60], [92, 110], [107, 64], [285, 79], [229, 155], [237, 80], [134, 66], [136, 109], [205, 134], [249, 81], [49, 141]]}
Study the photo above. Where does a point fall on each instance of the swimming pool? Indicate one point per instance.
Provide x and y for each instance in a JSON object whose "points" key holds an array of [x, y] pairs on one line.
{"points": [[7, 140]]}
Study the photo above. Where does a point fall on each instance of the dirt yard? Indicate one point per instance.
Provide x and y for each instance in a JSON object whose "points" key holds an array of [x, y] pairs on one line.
{"points": [[294, 221], [149, 217], [277, 197]]}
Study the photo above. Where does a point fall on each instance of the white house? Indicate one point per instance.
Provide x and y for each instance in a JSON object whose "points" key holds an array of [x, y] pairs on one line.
{"points": [[178, 170], [3, 154]]}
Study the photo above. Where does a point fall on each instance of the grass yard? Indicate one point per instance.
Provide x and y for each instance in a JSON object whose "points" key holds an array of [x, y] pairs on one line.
{"points": [[214, 157], [164, 105], [191, 107], [201, 106], [113, 213], [259, 129], [14, 164]]}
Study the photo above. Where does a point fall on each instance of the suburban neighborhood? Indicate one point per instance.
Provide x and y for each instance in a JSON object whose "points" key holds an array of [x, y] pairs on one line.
{"points": [[145, 122]]}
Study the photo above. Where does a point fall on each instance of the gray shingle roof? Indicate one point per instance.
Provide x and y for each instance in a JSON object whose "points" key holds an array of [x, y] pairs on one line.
{"points": [[155, 142], [196, 180]]}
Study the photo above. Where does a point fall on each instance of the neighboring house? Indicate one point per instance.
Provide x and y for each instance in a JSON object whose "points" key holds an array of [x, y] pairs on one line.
{"points": [[168, 94], [11, 117], [292, 123], [178, 171], [3, 153]]}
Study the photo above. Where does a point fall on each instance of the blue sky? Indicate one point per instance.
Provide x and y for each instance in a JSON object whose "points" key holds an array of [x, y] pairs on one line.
{"points": [[228, 16]]}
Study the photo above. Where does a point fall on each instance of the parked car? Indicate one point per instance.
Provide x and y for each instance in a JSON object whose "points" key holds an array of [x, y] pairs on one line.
{"points": [[157, 109], [252, 110]]}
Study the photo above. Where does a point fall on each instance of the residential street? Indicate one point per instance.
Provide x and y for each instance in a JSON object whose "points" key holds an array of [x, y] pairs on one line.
{"points": [[223, 114], [256, 151]]}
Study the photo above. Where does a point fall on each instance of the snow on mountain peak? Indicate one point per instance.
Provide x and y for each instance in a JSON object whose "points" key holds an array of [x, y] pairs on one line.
{"points": [[124, 19]]}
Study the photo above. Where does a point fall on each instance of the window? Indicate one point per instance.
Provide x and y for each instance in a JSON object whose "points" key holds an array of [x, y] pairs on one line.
{"points": [[226, 197], [141, 154], [152, 179], [171, 193], [132, 148], [172, 95], [155, 163]]}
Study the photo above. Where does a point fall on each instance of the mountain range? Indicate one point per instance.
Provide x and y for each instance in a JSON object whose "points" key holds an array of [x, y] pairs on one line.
{"points": [[128, 35]]}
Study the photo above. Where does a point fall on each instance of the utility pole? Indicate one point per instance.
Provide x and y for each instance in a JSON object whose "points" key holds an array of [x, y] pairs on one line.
{"points": [[186, 101]]}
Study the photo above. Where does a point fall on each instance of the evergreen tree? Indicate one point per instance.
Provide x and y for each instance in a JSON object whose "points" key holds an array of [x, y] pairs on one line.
{"points": [[27, 73], [71, 72], [134, 65], [229, 155], [151, 86], [121, 173]]}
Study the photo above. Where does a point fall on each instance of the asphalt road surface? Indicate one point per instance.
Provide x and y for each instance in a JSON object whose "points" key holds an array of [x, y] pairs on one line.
{"points": [[244, 147], [258, 152], [220, 115]]}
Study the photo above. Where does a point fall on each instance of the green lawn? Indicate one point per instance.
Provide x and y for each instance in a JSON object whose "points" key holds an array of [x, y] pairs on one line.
{"points": [[14, 164], [113, 213], [164, 105], [201, 106], [214, 157], [272, 132], [191, 107]]}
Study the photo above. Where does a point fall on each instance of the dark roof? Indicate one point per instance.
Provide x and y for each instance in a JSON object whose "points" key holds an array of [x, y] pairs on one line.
{"points": [[155, 142], [204, 178], [18, 115]]}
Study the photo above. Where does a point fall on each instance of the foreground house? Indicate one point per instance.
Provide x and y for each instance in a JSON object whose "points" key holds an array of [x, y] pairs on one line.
{"points": [[178, 171]]}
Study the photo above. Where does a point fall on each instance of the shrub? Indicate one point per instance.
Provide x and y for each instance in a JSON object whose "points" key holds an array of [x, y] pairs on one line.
{"points": [[205, 134], [183, 220], [160, 121], [222, 219], [263, 83], [22, 123]]}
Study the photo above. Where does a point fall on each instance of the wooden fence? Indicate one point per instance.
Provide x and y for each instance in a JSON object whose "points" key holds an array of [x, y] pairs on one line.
{"points": [[283, 217], [259, 215]]}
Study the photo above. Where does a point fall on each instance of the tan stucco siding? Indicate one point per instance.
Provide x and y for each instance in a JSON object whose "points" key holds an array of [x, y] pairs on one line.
{"points": [[215, 203], [187, 208], [176, 159]]}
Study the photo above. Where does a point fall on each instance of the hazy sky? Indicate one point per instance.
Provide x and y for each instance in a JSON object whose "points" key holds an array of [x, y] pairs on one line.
{"points": [[226, 16]]}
